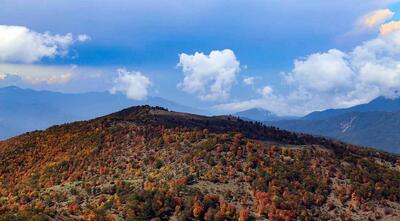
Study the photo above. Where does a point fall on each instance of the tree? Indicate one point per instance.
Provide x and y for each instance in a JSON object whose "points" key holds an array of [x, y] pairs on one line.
{"points": [[197, 209], [244, 215]]}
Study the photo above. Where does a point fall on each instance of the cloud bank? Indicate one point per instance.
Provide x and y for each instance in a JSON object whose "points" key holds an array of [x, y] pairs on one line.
{"points": [[210, 77], [39, 74], [335, 79]]}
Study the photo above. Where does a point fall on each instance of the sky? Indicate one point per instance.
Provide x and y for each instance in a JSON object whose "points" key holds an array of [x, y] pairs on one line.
{"points": [[291, 57]]}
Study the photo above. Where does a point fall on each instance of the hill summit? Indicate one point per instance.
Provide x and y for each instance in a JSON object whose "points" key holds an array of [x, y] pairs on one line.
{"points": [[148, 163], [23, 110]]}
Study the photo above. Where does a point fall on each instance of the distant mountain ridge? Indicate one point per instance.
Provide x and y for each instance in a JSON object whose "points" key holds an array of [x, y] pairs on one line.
{"points": [[259, 114], [375, 124], [379, 104], [372, 129], [23, 110]]}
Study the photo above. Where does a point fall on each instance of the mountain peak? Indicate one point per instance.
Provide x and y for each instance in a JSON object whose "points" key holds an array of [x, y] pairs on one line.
{"points": [[257, 114], [260, 114]]}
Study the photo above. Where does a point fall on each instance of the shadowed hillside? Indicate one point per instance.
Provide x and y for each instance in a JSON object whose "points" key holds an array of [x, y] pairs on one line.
{"points": [[374, 124], [146, 163], [374, 129]]}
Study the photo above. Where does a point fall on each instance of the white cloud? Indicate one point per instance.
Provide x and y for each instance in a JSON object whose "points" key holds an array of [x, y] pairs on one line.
{"points": [[133, 84], [368, 23], [249, 80], [332, 68], [210, 77], [83, 38], [39, 74], [19, 44], [376, 18], [266, 91], [335, 79], [389, 27]]}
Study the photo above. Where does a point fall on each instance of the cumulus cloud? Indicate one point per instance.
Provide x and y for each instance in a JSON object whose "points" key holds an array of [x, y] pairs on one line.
{"points": [[389, 27], [335, 79], [20, 44], [327, 65], [376, 18], [133, 84], [210, 77], [369, 70], [266, 91]]}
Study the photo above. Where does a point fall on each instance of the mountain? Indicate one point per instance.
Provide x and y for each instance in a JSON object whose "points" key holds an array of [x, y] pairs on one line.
{"points": [[373, 129], [380, 104], [375, 124], [146, 163], [259, 114], [23, 110]]}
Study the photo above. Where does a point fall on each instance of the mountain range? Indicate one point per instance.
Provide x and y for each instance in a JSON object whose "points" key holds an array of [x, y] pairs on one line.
{"points": [[375, 124], [148, 163], [23, 110], [380, 104], [372, 129]]}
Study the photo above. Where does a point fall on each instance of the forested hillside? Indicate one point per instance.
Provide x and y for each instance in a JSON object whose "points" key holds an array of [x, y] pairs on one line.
{"points": [[146, 163]]}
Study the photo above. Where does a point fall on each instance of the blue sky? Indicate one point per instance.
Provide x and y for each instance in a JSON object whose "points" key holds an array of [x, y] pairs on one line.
{"points": [[146, 38]]}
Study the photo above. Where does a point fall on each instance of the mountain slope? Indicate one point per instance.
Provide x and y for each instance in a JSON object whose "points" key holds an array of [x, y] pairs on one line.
{"points": [[23, 110], [147, 163], [259, 114], [379, 104], [373, 129]]}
